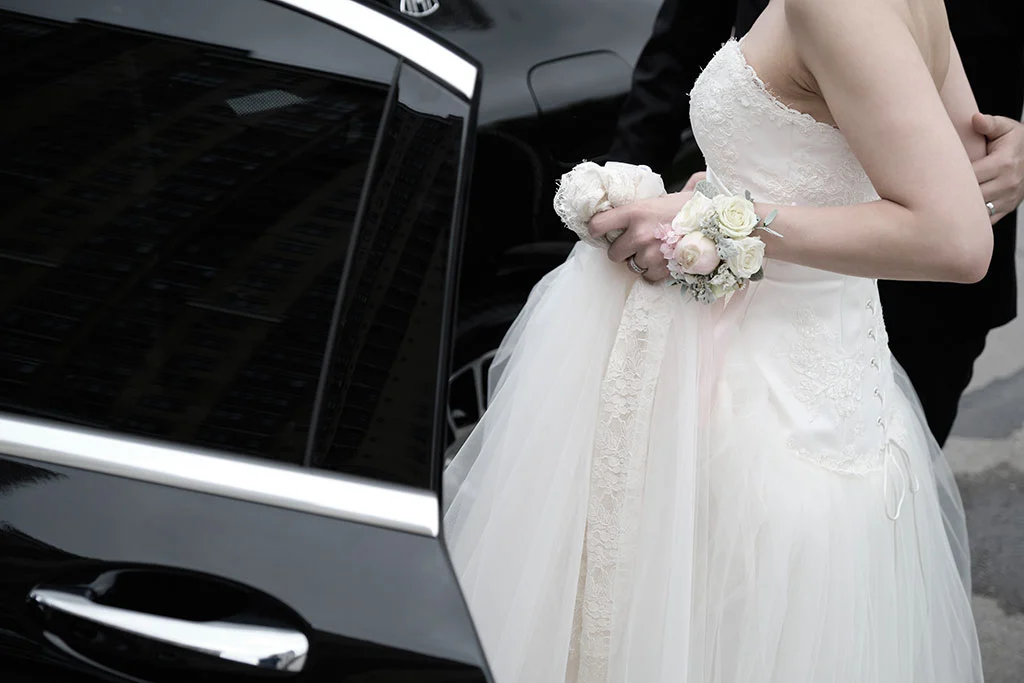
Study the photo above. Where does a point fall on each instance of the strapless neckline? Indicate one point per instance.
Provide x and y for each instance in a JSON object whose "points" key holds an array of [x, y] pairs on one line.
{"points": [[754, 141], [737, 45]]}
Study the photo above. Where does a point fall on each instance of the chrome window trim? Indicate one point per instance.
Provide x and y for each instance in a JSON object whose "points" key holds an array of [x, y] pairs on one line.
{"points": [[279, 485], [395, 36]]}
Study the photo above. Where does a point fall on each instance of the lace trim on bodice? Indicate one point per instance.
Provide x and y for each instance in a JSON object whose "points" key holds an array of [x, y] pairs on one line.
{"points": [[804, 119], [754, 141]]}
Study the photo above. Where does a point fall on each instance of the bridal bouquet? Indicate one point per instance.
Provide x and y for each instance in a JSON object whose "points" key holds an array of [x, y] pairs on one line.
{"points": [[710, 247]]}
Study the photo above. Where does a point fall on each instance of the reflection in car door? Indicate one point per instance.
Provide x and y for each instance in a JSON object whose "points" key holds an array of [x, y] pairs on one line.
{"points": [[228, 235]]}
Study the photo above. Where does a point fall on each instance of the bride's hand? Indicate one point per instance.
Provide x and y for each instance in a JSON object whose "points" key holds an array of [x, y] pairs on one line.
{"points": [[639, 222]]}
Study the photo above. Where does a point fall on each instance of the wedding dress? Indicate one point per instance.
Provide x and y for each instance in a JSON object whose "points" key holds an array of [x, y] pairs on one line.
{"points": [[667, 492]]}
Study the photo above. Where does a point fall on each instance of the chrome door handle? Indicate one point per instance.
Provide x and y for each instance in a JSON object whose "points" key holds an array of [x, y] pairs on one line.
{"points": [[263, 647]]}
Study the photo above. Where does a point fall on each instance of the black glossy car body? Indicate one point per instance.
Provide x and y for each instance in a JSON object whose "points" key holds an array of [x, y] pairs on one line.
{"points": [[230, 239]]}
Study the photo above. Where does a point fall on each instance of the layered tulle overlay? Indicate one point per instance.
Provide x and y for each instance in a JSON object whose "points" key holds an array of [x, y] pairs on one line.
{"points": [[667, 492], [685, 543]]}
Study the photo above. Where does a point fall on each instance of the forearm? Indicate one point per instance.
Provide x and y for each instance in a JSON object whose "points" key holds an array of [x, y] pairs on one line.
{"points": [[879, 239]]}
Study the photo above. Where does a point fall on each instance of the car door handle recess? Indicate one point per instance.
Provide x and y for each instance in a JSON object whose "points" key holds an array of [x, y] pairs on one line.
{"points": [[262, 647]]}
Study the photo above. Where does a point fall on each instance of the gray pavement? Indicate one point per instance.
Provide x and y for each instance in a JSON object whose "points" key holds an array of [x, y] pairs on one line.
{"points": [[986, 452]]}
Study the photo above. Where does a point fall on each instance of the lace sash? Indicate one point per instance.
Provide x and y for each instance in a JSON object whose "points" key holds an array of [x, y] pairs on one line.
{"points": [[617, 480]]}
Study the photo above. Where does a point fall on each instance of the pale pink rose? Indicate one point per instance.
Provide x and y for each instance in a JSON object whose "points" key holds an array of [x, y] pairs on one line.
{"points": [[697, 254]]}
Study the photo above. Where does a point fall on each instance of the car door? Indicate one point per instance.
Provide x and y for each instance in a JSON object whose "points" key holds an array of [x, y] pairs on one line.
{"points": [[228, 237]]}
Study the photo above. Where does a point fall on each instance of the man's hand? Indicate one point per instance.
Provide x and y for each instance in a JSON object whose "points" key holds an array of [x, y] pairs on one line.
{"points": [[1001, 171], [640, 221]]}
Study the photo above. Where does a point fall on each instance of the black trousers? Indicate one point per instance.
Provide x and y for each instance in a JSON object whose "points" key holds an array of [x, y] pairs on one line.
{"points": [[940, 365]]}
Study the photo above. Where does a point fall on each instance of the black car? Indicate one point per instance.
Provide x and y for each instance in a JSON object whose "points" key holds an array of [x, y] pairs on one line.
{"points": [[230, 246]]}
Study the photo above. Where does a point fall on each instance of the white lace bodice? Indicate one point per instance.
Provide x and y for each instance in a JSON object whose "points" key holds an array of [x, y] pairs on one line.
{"points": [[754, 142], [815, 341]]}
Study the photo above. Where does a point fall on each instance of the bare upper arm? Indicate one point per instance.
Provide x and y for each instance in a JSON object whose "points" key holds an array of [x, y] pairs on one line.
{"points": [[960, 104], [879, 90]]}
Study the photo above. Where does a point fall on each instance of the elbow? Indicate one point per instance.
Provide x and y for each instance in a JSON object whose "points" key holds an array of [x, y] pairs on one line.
{"points": [[976, 270], [954, 242], [969, 258]]}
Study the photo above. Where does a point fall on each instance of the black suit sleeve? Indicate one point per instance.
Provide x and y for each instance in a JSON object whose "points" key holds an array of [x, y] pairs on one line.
{"points": [[656, 110]]}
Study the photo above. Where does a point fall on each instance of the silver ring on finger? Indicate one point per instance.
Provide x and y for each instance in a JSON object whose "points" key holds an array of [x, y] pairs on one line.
{"points": [[991, 208], [631, 262]]}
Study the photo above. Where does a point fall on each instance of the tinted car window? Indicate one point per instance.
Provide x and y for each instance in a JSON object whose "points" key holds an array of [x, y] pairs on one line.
{"points": [[380, 406], [176, 216]]}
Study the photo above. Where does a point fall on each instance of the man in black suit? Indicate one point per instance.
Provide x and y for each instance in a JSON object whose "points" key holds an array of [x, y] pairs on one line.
{"points": [[936, 330]]}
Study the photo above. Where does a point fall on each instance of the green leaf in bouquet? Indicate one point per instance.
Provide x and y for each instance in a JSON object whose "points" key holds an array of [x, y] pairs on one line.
{"points": [[768, 221], [706, 188]]}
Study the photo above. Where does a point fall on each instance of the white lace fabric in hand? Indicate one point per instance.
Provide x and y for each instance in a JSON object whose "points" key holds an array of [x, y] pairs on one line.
{"points": [[624, 417], [588, 189]]}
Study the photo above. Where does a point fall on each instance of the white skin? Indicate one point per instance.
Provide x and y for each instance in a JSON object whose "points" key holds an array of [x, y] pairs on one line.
{"points": [[887, 73]]}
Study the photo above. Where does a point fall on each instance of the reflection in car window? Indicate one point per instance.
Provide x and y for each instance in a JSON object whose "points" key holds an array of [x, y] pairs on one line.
{"points": [[380, 408], [174, 219]]}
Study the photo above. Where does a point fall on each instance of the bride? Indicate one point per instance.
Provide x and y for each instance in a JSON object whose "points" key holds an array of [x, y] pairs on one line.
{"points": [[743, 491]]}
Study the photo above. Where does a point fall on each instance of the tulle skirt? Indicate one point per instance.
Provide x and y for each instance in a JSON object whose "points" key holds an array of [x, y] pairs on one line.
{"points": [[597, 542]]}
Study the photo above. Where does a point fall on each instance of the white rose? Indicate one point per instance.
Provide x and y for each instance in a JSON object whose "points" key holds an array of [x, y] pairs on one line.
{"points": [[736, 216], [747, 258], [693, 213]]}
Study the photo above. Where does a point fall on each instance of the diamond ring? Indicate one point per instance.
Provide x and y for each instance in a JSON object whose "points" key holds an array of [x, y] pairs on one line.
{"points": [[631, 262]]}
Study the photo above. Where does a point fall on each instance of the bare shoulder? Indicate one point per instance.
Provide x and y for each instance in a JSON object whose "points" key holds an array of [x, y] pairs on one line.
{"points": [[818, 13], [824, 29], [823, 21]]}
